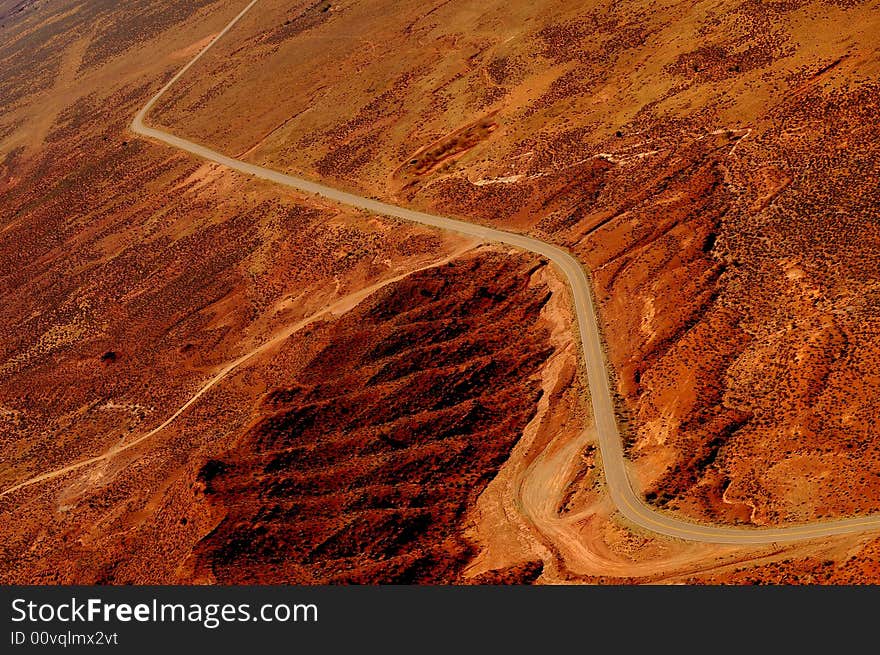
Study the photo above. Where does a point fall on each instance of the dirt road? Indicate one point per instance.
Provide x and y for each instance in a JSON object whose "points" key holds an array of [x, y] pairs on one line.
{"points": [[615, 464]]}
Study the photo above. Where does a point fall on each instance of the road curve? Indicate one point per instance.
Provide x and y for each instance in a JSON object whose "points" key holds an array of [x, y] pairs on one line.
{"points": [[630, 504]]}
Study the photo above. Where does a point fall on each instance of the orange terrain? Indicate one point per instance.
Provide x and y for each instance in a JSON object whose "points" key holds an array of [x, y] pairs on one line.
{"points": [[239, 383]]}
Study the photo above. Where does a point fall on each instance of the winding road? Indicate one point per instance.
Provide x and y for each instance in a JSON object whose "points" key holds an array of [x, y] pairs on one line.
{"points": [[628, 502]]}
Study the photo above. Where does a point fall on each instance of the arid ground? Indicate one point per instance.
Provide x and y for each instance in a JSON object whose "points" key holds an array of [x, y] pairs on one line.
{"points": [[268, 387]]}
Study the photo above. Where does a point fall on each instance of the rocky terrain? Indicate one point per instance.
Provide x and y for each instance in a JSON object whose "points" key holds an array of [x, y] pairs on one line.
{"points": [[131, 274], [364, 466], [713, 165]]}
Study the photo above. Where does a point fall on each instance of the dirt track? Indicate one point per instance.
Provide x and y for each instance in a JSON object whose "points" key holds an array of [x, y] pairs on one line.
{"points": [[547, 471], [337, 308]]}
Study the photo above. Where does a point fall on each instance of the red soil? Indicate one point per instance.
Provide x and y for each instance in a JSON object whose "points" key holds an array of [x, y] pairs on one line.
{"points": [[363, 467]]}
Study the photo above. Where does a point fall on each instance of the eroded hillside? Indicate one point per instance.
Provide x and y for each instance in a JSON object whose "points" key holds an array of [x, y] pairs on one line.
{"points": [[132, 276], [714, 164]]}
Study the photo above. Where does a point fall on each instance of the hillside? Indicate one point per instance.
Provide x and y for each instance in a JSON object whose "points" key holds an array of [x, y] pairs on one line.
{"points": [[257, 385]]}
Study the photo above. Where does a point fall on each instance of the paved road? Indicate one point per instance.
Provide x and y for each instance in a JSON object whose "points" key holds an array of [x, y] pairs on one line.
{"points": [[630, 505]]}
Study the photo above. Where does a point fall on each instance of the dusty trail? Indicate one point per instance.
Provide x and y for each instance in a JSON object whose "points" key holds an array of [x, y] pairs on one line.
{"points": [[338, 308], [547, 472]]}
